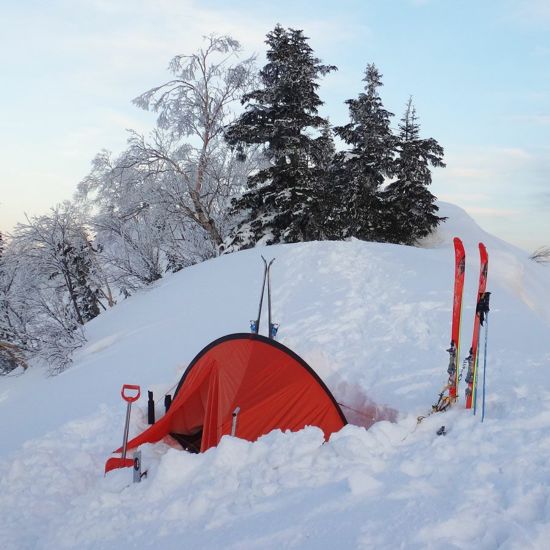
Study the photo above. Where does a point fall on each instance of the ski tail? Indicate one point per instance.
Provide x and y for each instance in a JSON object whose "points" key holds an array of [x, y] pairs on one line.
{"points": [[473, 358], [454, 349], [255, 323], [272, 327]]}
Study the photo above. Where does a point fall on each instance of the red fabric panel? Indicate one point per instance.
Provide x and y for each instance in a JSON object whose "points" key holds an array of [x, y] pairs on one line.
{"points": [[212, 410], [271, 387]]}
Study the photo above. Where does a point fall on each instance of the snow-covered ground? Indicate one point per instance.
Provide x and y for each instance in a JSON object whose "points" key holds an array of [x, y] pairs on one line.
{"points": [[374, 321]]}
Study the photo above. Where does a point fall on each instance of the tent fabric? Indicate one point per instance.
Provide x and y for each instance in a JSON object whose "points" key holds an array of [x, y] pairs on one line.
{"points": [[272, 386]]}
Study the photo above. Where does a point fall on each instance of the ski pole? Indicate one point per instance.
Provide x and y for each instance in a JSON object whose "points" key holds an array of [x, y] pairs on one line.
{"points": [[475, 377], [483, 309], [484, 365]]}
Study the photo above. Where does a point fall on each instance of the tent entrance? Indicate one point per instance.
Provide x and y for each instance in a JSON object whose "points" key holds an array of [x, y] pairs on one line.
{"points": [[189, 442], [197, 411]]}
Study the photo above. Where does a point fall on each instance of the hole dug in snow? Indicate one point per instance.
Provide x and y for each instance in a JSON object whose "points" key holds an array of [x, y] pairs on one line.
{"points": [[359, 409]]}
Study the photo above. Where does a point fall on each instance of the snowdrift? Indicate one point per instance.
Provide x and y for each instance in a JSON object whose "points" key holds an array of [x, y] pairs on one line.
{"points": [[373, 320]]}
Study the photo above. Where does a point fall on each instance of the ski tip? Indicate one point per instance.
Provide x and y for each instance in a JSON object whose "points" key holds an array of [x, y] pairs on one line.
{"points": [[459, 246]]}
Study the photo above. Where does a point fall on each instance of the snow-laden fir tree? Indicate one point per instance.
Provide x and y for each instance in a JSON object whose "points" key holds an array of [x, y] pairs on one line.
{"points": [[78, 257], [412, 212], [59, 244], [326, 174], [279, 204], [361, 170]]}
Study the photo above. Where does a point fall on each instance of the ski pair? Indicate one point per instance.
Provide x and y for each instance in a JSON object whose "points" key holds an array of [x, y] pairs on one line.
{"points": [[482, 308], [255, 323]]}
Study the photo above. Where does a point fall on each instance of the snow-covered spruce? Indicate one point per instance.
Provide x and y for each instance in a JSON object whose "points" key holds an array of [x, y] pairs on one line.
{"points": [[365, 165], [411, 210], [282, 201]]}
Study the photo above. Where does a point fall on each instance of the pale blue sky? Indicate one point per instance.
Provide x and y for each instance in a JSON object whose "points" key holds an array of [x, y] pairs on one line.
{"points": [[479, 72]]}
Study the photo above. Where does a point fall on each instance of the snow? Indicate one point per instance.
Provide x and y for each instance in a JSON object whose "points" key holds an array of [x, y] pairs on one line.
{"points": [[374, 321]]}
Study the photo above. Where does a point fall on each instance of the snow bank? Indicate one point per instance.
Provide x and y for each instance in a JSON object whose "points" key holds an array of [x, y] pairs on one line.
{"points": [[510, 265], [373, 320]]}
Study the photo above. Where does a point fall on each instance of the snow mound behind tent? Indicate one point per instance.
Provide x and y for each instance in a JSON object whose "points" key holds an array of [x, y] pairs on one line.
{"points": [[510, 266], [373, 320]]}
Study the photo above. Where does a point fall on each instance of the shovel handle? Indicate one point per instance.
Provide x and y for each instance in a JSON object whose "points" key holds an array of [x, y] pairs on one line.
{"points": [[127, 397]]}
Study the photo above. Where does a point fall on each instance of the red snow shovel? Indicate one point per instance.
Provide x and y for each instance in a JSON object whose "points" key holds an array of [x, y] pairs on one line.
{"points": [[123, 462]]}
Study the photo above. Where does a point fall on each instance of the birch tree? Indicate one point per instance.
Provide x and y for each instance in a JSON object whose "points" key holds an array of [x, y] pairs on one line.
{"points": [[199, 172]]}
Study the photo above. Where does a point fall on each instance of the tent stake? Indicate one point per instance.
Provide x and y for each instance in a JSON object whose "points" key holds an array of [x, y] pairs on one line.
{"points": [[234, 423], [150, 408]]}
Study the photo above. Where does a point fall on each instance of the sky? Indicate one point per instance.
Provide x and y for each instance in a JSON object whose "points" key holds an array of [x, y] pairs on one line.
{"points": [[478, 72]]}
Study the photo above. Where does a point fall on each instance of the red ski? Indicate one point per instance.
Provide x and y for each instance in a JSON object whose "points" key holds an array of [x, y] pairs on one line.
{"points": [[454, 349], [472, 359], [445, 401]]}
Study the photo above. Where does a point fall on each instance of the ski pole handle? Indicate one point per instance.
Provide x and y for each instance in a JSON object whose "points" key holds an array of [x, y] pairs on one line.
{"points": [[128, 397]]}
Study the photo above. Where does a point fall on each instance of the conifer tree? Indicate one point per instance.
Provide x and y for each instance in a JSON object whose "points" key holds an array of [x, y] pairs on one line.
{"points": [[412, 212], [363, 167], [78, 259], [58, 248], [279, 202], [330, 203], [324, 150]]}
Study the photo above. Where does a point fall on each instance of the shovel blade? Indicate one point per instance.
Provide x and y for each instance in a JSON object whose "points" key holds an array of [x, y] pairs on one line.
{"points": [[114, 462]]}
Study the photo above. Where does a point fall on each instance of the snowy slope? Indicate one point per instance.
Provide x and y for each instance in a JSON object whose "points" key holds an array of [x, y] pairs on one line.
{"points": [[374, 322]]}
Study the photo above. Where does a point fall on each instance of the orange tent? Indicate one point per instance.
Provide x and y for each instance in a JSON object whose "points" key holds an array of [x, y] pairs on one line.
{"points": [[249, 385]]}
